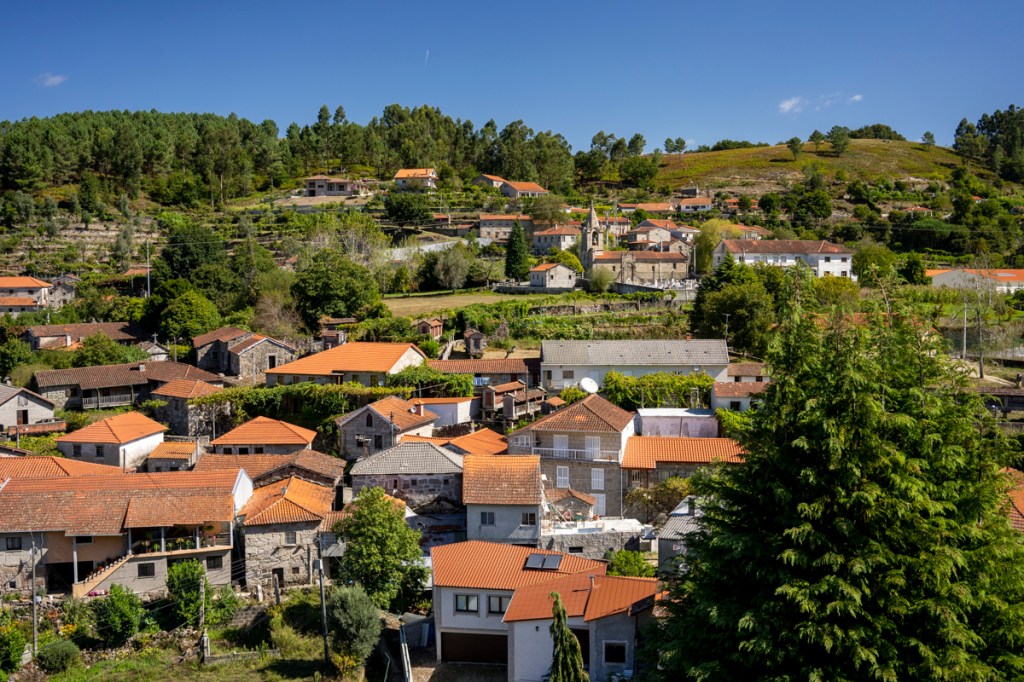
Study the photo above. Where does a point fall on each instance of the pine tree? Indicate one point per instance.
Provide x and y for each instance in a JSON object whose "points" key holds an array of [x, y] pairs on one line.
{"points": [[567, 657], [863, 537], [517, 254]]}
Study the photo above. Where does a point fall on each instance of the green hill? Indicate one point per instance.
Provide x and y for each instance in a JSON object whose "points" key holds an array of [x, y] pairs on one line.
{"points": [[762, 169]]}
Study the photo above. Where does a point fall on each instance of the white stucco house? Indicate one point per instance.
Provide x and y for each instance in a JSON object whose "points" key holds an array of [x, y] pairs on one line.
{"points": [[503, 498], [363, 362], [451, 411], [552, 276], [824, 258], [1005, 281], [565, 363], [124, 440]]}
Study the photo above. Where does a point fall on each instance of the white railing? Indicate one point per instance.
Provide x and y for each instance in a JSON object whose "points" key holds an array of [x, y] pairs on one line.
{"points": [[588, 455]]}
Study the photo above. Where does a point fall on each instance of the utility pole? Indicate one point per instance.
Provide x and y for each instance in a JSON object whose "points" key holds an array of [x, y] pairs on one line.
{"points": [[35, 615], [202, 600], [323, 596]]}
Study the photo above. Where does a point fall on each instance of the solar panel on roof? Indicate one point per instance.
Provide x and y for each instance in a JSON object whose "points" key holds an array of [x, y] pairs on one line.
{"points": [[552, 562], [535, 561]]}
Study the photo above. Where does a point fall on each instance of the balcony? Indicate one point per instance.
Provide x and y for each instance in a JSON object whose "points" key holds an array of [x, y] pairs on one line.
{"points": [[584, 455], [102, 401]]}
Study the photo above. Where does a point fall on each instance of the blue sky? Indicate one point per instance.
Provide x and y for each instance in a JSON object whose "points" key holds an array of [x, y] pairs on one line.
{"points": [[701, 70]]}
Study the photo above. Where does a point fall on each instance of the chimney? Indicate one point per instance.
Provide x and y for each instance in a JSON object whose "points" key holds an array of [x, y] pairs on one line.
{"points": [[688, 337], [419, 409]]}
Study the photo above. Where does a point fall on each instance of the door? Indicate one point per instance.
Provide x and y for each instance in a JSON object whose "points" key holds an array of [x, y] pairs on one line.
{"points": [[279, 574], [464, 647], [271, 361], [22, 417], [593, 445], [561, 445]]}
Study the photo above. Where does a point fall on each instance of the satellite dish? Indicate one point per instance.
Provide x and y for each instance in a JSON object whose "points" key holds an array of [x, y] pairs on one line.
{"points": [[588, 385]]}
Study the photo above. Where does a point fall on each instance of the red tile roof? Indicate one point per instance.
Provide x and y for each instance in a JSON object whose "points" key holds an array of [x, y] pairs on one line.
{"points": [[505, 216], [738, 389], [583, 595], [18, 301], [525, 186], [402, 413], [501, 480], [120, 429], [259, 466], [697, 201], [174, 450], [559, 230], [222, 334], [359, 356], [23, 283], [804, 246], [644, 452], [290, 501], [481, 442], [745, 369], [415, 173], [185, 389], [494, 566], [126, 374], [590, 415], [266, 431], [483, 366], [657, 207], [50, 467]]}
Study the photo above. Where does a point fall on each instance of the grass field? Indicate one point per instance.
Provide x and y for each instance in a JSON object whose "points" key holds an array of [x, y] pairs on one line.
{"points": [[761, 168], [413, 306]]}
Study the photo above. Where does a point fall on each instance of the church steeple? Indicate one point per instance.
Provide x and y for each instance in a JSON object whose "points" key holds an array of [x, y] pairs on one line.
{"points": [[591, 239]]}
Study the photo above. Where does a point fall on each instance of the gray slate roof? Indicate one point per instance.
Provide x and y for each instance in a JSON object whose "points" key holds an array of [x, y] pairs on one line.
{"points": [[676, 353], [410, 458], [678, 527]]}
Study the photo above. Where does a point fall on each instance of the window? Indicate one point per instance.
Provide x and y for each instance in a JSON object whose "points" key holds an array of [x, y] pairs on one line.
{"points": [[486, 518], [568, 374], [529, 519], [13, 544], [291, 537], [828, 259], [466, 603], [369, 420], [597, 479], [243, 451], [843, 259], [734, 405], [100, 451], [496, 604], [615, 652], [147, 570], [413, 483], [575, 550], [599, 508], [759, 379], [76, 450], [214, 562], [378, 442], [737, 380], [257, 450], [84, 539], [634, 476], [295, 570], [522, 440], [561, 477], [593, 446]]}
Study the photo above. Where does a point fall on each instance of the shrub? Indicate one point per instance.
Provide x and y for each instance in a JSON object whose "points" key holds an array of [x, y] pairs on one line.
{"points": [[76, 617], [118, 616], [12, 645], [184, 579], [627, 563], [224, 607], [355, 622], [58, 656]]}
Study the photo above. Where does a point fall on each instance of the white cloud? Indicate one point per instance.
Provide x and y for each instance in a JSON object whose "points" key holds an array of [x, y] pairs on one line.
{"points": [[50, 80], [857, 98], [793, 105]]}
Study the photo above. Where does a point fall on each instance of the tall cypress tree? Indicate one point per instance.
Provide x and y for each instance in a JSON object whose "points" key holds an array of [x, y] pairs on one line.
{"points": [[517, 254], [567, 657], [863, 537]]}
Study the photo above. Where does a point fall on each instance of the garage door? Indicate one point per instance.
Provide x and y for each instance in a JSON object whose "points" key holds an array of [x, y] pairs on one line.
{"points": [[458, 646]]}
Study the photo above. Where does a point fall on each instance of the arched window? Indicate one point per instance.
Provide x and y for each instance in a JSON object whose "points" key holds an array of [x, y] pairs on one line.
{"points": [[369, 419]]}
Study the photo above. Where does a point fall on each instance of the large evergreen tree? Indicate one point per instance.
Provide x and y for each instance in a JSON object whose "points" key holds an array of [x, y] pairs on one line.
{"points": [[863, 538], [517, 254], [566, 656]]}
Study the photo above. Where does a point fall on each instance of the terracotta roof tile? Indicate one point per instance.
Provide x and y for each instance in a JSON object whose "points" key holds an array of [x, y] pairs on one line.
{"points": [[415, 173], [592, 414], [266, 431], [510, 387], [556, 495], [118, 331], [804, 246], [583, 595], [525, 186], [221, 334], [505, 216], [50, 467], [483, 366], [738, 389], [745, 369], [657, 207], [121, 428], [23, 283], [559, 230], [359, 356], [501, 480], [291, 501], [402, 413], [185, 389], [481, 442], [126, 374], [174, 450], [494, 566], [642, 256], [644, 452], [19, 301]]}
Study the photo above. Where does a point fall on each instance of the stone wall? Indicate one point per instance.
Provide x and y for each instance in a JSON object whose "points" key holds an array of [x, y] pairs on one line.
{"points": [[266, 549], [255, 360], [417, 489], [591, 545]]}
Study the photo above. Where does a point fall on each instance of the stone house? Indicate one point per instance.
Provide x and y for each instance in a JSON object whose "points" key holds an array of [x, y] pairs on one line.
{"points": [[648, 268], [181, 418], [607, 614], [559, 238], [69, 336], [281, 522], [104, 386], [503, 498], [498, 226], [649, 460], [263, 435], [474, 584], [63, 290], [735, 395], [381, 425], [552, 276], [309, 465], [581, 448], [241, 353], [363, 362], [518, 405], [178, 455], [420, 474], [20, 407], [434, 328], [475, 342], [124, 440], [94, 530], [492, 371]]}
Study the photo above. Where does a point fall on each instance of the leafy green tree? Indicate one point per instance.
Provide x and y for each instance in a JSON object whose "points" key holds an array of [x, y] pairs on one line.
{"points": [[517, 254], [816, 204], [658, 500], [118, 615], [816, 138], [770, 203], [839, 138], [572, 394], [864, 537], [566, 258], [732, 303], [12, 643], [188, 316], [189, 247], [795, 146], [675, 146], [928, 139], [14, 352], [600, 279], [453, 267], [432, 383], [330, 285], [711, 233], [355, 623], [628, 563], [100, 349], [382, 552], [873, 262], [567, 656], [639, 171], [636, 145], [912, 270], [184, 579], [407, 208]]}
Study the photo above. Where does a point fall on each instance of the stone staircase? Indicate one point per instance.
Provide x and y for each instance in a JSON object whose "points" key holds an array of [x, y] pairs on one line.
{"points": [[96, 577]]}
